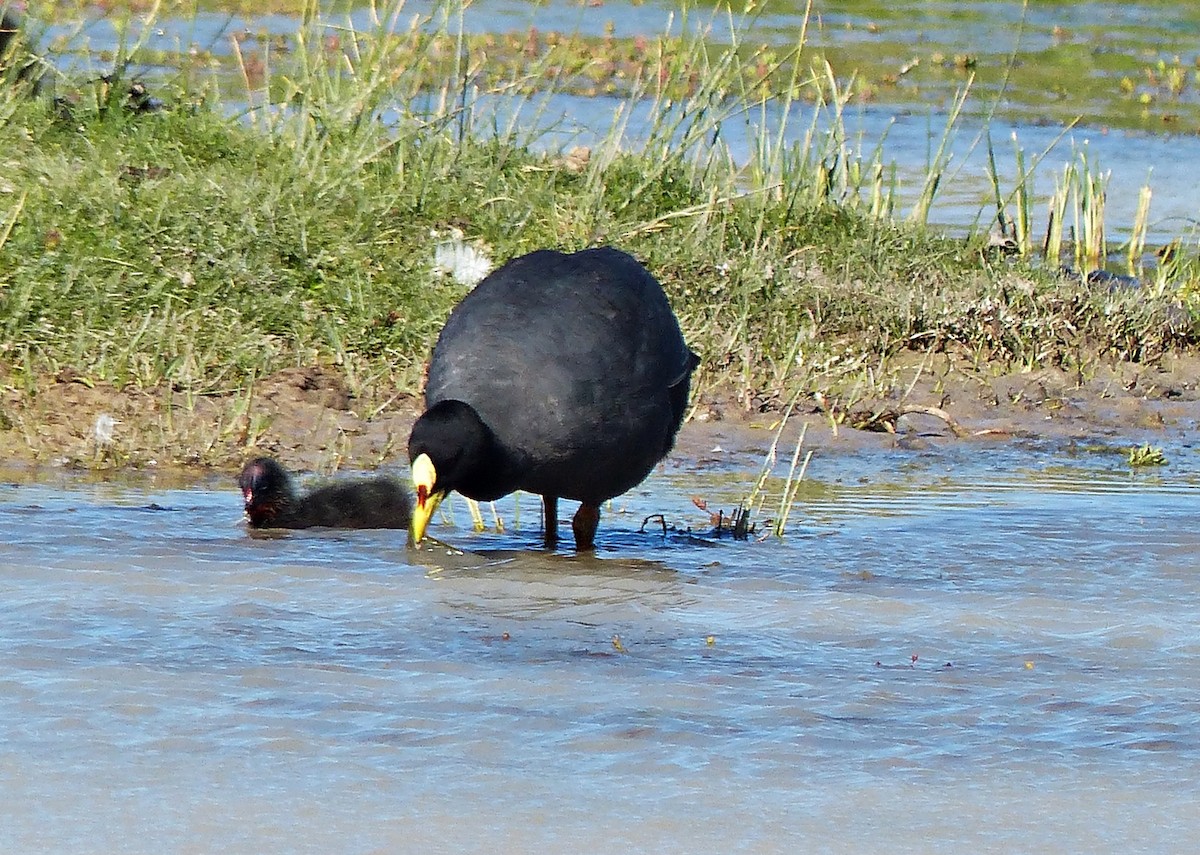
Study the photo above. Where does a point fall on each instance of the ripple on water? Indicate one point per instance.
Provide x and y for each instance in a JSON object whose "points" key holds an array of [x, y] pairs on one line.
{"points": [[933, 661]]}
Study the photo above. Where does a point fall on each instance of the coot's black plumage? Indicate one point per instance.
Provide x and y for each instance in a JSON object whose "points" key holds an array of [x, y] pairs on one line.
{"points": [[272, 501], [562, 375]]}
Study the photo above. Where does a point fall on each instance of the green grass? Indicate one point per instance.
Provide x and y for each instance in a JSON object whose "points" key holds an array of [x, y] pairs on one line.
{"points": [[196, 249]]}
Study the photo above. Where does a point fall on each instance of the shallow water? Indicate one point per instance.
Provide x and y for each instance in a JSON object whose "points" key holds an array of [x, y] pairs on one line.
{"points": [[171, 683]]}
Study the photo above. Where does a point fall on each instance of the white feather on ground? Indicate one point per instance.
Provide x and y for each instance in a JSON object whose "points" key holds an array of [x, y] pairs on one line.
{"points": [[466, 262]]}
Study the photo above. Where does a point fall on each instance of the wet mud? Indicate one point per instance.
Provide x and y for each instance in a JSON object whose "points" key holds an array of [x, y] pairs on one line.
{"points": [[310, 419]]}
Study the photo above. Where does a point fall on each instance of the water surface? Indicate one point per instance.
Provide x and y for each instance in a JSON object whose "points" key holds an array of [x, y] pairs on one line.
{"points": [[967, 648]]}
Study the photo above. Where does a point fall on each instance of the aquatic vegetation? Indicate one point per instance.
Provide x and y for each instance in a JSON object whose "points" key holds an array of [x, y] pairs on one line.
{"points": [[1146, 455], [747, 517], [738, 523]]}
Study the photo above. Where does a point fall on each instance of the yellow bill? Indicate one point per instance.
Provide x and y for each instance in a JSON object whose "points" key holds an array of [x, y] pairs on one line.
{"points": [[424, 476]]}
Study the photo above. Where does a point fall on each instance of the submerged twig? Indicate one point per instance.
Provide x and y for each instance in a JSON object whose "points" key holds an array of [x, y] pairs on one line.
{"points": [[661, 519]]}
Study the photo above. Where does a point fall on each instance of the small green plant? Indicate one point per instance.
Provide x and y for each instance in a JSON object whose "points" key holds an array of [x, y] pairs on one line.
{"points": [[1146, 455], [752, 504]]}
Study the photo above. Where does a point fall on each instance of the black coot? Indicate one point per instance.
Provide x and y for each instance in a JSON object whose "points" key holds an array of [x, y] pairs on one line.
{"points": [[271, 500], [562, 375]]}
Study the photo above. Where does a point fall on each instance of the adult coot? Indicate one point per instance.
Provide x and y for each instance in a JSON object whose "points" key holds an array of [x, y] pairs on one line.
{"points": [[272, 501], [563, 375]]}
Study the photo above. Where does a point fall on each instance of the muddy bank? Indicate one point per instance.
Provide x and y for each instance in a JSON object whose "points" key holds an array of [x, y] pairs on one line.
{"points": [[309, 418]]}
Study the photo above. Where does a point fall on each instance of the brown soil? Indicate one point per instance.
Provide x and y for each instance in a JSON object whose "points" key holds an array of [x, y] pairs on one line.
{"points": [[308, 418]]}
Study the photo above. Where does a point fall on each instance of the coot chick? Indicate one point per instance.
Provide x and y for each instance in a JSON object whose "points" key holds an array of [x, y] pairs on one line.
{"points": [[562, 375], [271, 501]]}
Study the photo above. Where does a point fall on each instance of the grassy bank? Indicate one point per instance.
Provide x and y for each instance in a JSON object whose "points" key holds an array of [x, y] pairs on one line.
{"points": [[202, 247]]}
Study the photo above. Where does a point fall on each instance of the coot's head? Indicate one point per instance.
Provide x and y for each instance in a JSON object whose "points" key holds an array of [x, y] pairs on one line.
{"points": [[450, 448], [266, 489]]}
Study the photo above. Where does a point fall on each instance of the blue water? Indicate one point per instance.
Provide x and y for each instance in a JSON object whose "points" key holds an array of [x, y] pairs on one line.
{"points": [[968, 648]]}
